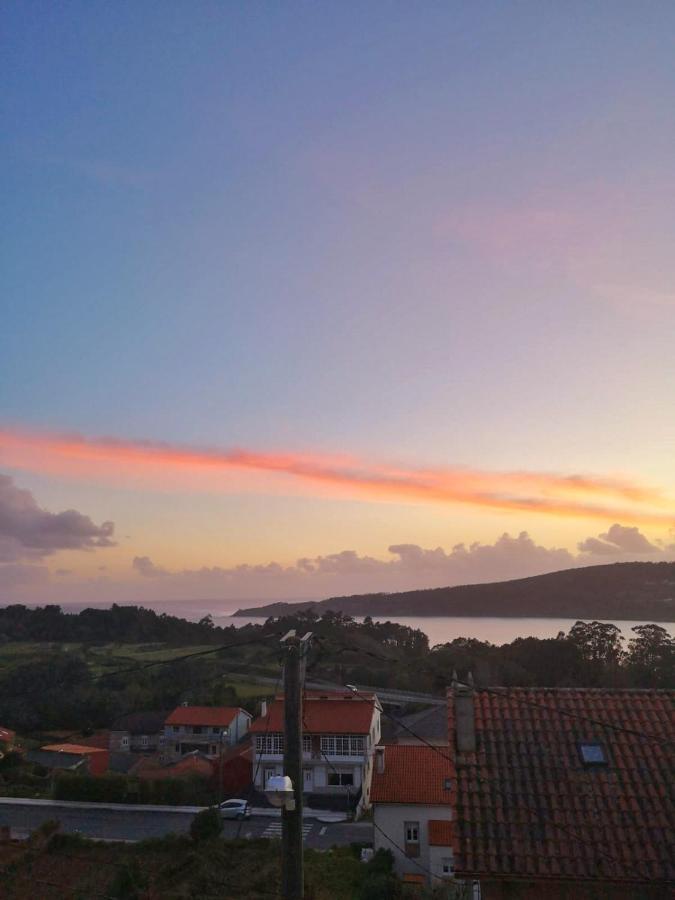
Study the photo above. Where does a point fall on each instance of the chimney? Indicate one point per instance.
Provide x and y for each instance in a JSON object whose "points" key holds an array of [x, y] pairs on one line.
{"points": [[263, 707], [379, 760], [465, 726]]}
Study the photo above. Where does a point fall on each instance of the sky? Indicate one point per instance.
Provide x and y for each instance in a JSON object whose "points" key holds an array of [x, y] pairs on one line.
{"points": [[310, 299]]}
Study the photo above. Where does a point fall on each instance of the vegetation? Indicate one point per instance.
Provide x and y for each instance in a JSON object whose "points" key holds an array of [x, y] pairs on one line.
{"points": [[81, 686], [635, 590], [206, 825], [180, 867]]}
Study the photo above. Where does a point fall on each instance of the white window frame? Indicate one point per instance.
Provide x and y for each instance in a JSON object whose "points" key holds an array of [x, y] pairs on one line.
{"points": [[411, 832], [272, 744], [342, 744]]}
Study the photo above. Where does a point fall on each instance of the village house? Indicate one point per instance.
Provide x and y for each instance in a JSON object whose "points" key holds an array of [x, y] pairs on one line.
{"points": [[139, 732], [211, 730], [77, 758], [554, 792], [412, 795], [340, 733]]}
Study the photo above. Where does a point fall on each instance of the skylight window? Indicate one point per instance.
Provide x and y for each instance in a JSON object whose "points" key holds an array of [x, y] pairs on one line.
{"points": [[593, 754]]}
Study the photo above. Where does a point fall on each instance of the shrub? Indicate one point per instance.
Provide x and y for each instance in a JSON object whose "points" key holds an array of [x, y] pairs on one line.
{"points": [[206, 824]]}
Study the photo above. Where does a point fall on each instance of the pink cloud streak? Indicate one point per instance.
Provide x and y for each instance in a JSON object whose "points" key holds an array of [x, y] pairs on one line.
{"points": [[574, 495]]}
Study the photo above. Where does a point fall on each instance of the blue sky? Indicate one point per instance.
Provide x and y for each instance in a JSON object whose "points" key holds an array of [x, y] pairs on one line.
{"points": [[435, 235]]}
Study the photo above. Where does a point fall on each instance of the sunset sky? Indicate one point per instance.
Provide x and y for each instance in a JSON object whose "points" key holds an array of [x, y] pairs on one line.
{"points": [[299, 297]]}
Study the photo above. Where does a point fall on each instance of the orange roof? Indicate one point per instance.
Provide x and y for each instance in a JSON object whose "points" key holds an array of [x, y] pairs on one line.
{"points": [[414, 774], [210, 716], [73, 748], [440, 833], [412, 878], [322, 716], [529, 806]]}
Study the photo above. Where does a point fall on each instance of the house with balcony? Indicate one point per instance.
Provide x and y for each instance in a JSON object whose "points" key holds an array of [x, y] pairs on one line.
{"points": [[212, 730], [340, 732]]}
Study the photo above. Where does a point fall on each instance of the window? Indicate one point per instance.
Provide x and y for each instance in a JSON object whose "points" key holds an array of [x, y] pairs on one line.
{"points": [[269, 743], [340, 779], [197, 729], [144, 740], [306, 743], [593, 754], [215, 730], [125, 741], [411, 833], [177, 748], [446, 866], [343, 745], [269, 773], [175, 728]]}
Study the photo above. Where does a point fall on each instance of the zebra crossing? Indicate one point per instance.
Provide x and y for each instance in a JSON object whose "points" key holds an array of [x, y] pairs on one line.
{"points": [[273, 830]]}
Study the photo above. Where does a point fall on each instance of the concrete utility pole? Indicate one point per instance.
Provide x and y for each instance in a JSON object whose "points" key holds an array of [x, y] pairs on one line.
{"points": [[295, 650]]}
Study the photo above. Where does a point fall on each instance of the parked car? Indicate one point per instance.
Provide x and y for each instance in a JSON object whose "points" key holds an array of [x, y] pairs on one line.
{"points": [[235, 809]]}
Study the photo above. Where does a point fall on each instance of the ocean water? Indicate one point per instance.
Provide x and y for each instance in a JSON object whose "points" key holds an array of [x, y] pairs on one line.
{"points": [[496, 630]]}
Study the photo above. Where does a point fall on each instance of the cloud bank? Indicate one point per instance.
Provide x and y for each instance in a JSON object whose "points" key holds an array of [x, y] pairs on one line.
{"points": [[29, 533], [409, 566]]}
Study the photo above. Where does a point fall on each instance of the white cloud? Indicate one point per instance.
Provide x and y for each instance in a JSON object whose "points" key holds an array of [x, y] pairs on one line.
{"points": [[619, 539]]}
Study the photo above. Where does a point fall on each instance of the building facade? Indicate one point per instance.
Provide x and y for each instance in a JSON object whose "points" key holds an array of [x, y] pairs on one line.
{"points": [[412, 794], [340, 733], [212, 730]]}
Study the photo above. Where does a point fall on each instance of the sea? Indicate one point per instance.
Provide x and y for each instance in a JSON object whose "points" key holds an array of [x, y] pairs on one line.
{"points": [[496, 630]]}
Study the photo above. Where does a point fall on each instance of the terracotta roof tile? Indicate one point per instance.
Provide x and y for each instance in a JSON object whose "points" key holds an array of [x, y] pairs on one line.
{"points": [[414, 774], [210, 716], [527, 804], [321, 716]]}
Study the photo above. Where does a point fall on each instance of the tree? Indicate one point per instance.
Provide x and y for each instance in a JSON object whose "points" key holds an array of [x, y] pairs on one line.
{"points": [[598, 641], [651, 656]]}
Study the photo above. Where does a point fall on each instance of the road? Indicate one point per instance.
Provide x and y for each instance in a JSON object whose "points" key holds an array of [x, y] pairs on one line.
{"points": [[139, 824]]}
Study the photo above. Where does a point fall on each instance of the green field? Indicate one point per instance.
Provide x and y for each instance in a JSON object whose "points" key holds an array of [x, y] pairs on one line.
{"points": [[103, 658]]}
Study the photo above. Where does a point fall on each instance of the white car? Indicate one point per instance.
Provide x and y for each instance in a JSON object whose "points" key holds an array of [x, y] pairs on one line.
{"points": [[235, 809]]}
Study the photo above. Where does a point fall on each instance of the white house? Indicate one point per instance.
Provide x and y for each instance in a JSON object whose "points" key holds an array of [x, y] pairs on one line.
{"points": [[210, 729], [340, 733], [412, 795]]}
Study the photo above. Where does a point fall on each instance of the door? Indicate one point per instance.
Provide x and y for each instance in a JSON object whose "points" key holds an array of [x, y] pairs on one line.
{"points": [[308, 780]]}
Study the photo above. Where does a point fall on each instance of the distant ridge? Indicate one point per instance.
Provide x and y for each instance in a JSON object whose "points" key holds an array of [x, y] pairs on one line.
{"points": [[633, 590]]}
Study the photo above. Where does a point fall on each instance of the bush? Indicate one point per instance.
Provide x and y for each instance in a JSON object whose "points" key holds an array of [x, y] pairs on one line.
{"points": [[379, 886], [99, 789], [206, 824]]}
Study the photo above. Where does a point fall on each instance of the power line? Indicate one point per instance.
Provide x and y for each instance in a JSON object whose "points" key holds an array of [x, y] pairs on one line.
{"points": [[510, 691], [90, 679]]}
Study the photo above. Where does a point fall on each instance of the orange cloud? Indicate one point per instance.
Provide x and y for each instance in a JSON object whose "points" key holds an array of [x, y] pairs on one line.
{"points": [[163, 465]]}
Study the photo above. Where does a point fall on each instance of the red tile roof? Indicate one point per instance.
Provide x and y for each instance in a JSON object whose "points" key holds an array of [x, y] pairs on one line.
{"points": [[440, 833], [330, 716], [527, 805], [210, 716], [82, 749], [413, 774]]}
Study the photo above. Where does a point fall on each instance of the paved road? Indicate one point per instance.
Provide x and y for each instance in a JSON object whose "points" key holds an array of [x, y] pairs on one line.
{"points": [[136, 825]]}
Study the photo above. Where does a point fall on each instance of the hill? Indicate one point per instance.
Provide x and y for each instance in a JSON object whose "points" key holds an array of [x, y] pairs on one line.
{"points": [[634, 590]]}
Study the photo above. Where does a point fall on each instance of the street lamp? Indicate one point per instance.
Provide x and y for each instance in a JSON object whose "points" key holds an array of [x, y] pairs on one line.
{"points": [[279, 791], [223, 734]]}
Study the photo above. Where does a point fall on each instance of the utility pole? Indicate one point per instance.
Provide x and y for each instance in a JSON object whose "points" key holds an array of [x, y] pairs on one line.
{"points": [[295, 652]]}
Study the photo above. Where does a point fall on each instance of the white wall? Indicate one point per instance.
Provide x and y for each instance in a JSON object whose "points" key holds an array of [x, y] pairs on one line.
{"points": [[391, 818]]}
